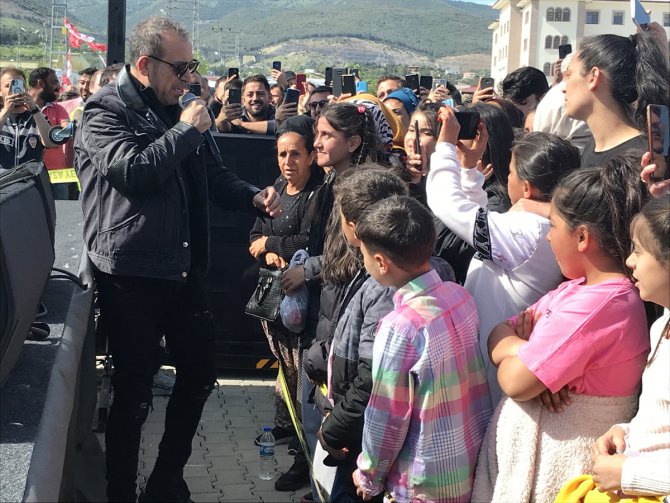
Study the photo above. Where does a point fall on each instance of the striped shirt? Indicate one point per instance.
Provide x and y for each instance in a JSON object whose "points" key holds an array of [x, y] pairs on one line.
{"points": [[430, 402]]}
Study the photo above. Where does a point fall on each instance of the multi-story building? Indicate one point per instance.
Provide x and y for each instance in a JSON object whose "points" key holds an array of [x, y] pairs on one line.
{"points": [[528, 32]]}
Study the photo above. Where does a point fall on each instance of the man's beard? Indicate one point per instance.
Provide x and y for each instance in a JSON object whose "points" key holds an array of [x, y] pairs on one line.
{"points": [[48, 96], [260, 114]]}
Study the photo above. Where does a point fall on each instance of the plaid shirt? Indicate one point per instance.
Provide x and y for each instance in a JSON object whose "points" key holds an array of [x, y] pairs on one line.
{"points": [[430, 402]]}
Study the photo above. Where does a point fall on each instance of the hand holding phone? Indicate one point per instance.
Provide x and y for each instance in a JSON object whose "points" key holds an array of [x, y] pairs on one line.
{"points": [[233, 71], [349, 84], [658, 134], [564, 50], [412, 81], [417, 138], [291, 95], [640, 16], [486, 82], [276, 65], [300, 80]]}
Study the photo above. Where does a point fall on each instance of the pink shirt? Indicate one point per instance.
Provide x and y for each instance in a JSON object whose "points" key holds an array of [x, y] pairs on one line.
{"points": [[592, 338]]}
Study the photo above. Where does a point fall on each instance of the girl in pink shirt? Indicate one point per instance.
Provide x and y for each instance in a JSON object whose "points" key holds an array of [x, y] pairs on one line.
{"points": [[587, 336]]}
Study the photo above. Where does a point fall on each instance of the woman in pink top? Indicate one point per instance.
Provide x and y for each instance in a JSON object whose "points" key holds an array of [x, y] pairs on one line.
{"points": [[589, 335]]}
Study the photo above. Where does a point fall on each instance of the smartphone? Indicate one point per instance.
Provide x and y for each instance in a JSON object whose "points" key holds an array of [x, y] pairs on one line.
{"points": [[291, 95], [439, 83], [417, 138], [328, 77], [361, 86], [195, 88], [640, 16], [449, 102], [426, 81], [234, 96], [486, 82], [658, 133], [233, 71], [564, 50], [16, 86], [469, 122], [355, 72], [412, 81], [337, 80], [300, 79], [349, 84], [276, 65]]}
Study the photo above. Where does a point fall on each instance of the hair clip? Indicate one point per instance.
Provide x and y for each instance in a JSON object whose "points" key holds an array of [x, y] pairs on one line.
{"points": [[361, 109]]}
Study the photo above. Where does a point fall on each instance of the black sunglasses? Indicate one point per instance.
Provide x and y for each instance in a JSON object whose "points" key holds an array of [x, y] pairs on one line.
{"points": [[181, 68], [316, 104]]}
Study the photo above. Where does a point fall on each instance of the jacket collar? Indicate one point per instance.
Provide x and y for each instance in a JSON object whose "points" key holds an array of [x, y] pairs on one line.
{"points": [[128, 91]]}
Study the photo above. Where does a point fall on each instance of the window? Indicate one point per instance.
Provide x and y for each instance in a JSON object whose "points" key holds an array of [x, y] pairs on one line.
{"points": [[547, 42], [547, 69], [526, 16], [566, 15], [617, 17], [550, 14], [592, 17], [525, 44], [564, 40], [666, 19], [557, 41], [558, 15], [495, 38]]}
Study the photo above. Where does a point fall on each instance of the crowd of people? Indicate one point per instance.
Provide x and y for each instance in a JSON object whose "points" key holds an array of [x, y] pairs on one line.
{"points": [[488, 313]]}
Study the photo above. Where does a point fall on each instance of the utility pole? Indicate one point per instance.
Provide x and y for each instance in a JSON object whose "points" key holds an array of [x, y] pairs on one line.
{"points": [[58, 14]]}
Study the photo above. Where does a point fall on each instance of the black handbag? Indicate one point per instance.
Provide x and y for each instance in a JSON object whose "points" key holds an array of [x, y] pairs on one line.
{"points": [[266, 299]]}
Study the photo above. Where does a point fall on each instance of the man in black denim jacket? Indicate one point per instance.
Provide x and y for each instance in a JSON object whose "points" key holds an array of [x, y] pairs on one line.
{"points": [[146, 178]]}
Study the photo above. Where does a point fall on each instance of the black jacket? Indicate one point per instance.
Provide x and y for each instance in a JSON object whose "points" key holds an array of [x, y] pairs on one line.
{"points": [[145, 186]]}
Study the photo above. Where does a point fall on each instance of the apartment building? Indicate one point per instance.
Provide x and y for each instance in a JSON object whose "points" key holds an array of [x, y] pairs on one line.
{"points": [[528, 32]]}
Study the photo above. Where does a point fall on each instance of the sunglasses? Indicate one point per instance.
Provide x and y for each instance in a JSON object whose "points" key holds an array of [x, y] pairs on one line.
{"points": [[180, 68], [315, 104]]}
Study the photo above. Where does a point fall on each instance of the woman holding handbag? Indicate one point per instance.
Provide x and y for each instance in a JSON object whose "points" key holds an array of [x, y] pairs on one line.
{"points": [[275, 240]]}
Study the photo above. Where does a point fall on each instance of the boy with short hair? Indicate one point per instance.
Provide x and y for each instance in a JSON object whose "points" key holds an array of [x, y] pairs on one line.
{"points": [[430, 403]]}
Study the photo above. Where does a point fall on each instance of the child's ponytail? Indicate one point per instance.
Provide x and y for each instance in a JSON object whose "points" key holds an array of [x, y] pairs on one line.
{"points": [[604, 199]]}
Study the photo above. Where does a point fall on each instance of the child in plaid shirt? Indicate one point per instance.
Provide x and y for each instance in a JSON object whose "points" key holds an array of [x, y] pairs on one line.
{"points": [[430, 403]]}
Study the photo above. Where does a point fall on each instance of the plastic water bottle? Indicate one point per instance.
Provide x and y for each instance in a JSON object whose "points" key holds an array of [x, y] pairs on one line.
{"points": [[267, 464]]}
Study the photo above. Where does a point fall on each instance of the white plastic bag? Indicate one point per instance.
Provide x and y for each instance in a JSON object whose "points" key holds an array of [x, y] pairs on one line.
{"points": [[293, 309]]}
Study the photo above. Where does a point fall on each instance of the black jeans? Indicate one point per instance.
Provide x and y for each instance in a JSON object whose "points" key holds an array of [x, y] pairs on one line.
{"points": [[135, 313]]}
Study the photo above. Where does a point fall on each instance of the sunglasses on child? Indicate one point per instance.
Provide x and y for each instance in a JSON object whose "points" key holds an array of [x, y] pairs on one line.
{"points": [[180, 68]]}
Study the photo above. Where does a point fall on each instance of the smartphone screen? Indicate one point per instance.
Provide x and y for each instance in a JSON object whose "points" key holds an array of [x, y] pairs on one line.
{"points": [[234, 96], [658, 133], [291, 96], [195, 88], [233, 71], [564, 50], [276, 65], [412, 81], [439, 83], [349, 84], [426, 81], [16, 86], [300, 80], [469, 122]]}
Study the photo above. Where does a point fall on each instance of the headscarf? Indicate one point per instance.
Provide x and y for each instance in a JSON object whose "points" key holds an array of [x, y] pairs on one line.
{"points": [[406, 96], [387, 123]]}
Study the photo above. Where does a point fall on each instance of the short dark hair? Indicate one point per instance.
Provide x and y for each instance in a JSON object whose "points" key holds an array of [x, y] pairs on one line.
{"points": [[147, 37], [399, 227], [257, 78], [233, 84], [40, 73], [88, 71], [542, 159], [17, 72], [359, 188], [389, 76], [524, 82], [109, 73], [322, 89]]}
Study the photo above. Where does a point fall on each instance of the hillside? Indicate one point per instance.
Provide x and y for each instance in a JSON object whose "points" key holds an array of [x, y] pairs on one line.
{"points": [[401, 30]]}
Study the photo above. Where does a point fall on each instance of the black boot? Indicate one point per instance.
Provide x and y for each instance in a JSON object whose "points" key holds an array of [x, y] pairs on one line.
{"points": [[296, 477]]}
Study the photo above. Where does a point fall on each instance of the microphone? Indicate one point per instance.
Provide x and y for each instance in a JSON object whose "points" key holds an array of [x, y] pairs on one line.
{"points": [[213, 148]]}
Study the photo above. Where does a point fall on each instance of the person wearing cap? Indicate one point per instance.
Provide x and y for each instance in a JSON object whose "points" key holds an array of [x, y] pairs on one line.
{"points": [[402, 102]]}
